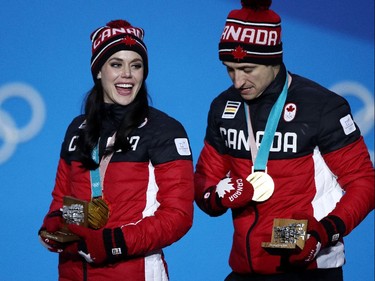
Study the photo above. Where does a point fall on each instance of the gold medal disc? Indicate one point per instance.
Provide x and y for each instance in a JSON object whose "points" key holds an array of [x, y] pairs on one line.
{"points": [[98, 213], [263, 185]]}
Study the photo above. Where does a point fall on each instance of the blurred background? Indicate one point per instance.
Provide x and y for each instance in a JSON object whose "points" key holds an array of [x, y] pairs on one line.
{"points": [[45, 74]]}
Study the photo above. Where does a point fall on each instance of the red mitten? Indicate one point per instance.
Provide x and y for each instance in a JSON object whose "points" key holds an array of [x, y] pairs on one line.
{"points": [[234, 192], [51, 245], [57, 247], [99, 246], [321, 234], [52, 222]]}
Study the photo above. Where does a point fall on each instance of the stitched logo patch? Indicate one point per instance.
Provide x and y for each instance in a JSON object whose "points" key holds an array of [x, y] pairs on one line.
{"points": [[347, 124], [116, 251], [290, 110], [182, 145], [231, 109]]}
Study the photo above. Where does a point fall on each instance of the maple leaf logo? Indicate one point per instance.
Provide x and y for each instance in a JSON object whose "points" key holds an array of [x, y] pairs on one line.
{"points": [[239, 53], [223, 187], [290, 108], [129, 41], [290, 111]]}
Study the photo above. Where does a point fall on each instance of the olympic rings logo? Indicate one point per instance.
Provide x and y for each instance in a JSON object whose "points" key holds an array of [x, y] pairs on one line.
{"points": [[10, 134]]}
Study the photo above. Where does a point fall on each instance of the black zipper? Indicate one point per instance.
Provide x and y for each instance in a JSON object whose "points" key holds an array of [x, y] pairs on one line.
{"points": [[84, 270], [248, 248]]}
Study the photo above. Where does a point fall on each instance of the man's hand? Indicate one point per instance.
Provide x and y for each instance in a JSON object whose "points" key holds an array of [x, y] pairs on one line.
{"points": [[322, 234], [234, 191]]}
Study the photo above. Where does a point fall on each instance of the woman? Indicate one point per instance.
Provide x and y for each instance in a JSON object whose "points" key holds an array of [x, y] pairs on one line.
{"points": [[144, 178]]}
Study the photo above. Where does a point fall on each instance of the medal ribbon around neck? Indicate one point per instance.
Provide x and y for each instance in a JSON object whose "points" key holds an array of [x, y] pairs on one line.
{"points": [[97, 175], [98, 210], [96, 185], [260, 157], [261, 181]]}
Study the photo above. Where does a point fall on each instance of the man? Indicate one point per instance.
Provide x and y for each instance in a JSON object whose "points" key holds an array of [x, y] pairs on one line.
{"points": [[278, 145]]}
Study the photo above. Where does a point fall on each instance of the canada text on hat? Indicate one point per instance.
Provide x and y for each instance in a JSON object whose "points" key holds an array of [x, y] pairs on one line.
{"points": [[115, 36], [252, 34], [108, 33]]}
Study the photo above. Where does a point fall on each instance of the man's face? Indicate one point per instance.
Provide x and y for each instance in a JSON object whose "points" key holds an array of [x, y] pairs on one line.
{"points": [[251, 79]]}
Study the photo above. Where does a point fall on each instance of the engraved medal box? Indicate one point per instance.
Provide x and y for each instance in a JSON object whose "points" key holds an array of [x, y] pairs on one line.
{"points": [[74, 211], [287, 234]]}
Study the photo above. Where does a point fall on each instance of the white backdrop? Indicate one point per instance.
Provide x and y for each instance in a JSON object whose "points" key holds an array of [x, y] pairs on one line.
{"points": [[45, 73]]}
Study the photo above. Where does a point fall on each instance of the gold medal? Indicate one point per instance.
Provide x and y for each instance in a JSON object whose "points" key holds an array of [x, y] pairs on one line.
{"points": [[98, 213], [263, 185]]}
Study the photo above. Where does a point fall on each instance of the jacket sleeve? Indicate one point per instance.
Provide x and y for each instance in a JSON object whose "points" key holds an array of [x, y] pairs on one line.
{"points": [[174, 216], [212, 166], [63, 173], [346, 155], [61, 185], [355, 174], [172, 165]]}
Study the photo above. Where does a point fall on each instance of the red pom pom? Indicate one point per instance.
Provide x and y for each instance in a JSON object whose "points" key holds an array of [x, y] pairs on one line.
{"points": [[256, 4], [118, 23], [111, 24]]}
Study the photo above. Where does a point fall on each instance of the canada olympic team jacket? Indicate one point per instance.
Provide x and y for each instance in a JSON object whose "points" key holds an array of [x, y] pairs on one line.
{"points": [[318, 161], [150, 194]]}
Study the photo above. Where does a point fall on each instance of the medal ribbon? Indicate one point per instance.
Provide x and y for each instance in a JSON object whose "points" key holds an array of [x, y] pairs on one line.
{"points": [[96, 186], [97, 175], [260, 157]]}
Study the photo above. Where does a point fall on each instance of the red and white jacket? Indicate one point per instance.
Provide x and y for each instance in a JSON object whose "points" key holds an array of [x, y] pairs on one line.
{"points": [[150, 193], [318, 161]]}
